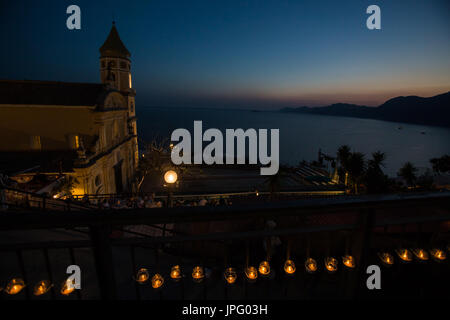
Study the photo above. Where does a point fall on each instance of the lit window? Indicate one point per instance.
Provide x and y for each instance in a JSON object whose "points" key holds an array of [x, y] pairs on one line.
{"points": [[36, 143]]}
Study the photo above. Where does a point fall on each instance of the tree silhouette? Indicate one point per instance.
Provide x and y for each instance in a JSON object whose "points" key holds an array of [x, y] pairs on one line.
{"points": [[441, 165], [408, 172], [343, 156], [356, 167], [375, 180]]}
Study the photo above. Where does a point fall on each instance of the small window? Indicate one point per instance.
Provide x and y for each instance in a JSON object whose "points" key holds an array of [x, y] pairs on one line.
{"points": [[123, 65], [35, 142]]}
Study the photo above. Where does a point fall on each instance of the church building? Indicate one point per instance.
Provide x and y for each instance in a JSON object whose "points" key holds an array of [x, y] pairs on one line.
{"points": [[82, 130]]}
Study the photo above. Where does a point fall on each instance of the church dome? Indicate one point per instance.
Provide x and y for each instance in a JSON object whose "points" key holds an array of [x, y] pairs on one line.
{"points": [[113, 46]]}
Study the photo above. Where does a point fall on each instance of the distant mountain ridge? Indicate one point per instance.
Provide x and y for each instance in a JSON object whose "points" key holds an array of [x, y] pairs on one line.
{"points": [[411, 109]]}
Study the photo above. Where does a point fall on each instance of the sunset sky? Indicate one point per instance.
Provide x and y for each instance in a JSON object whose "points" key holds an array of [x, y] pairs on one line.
{"points": [[239, 54]]}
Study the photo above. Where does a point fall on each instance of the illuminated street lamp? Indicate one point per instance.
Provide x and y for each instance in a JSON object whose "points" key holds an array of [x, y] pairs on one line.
{"points": [[170, 177]]}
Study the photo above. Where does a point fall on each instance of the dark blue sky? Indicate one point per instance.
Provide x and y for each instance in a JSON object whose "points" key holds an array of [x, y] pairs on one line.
{"points": [[242, 54]]}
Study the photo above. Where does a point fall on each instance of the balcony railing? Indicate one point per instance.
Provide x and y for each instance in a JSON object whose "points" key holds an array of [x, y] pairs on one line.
{"points": [[18, 199], [110, 248]]}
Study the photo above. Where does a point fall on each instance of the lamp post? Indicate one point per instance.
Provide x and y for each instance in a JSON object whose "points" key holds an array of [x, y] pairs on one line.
{"points": [[170, 177]]}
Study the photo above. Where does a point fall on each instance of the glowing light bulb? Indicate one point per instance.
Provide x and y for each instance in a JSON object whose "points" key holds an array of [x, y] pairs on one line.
{"points": [[311, 265], [289, 267], [264, 268], [251, 273], [142, 276], [386, 258], [68, 287], [42, 287], [157, 281], [15, 286], [331, 264], [170, 177], [421, 254], [348, 261], [438, 254], [175, 273], [198, 274], [230, 275], [404, 254]]}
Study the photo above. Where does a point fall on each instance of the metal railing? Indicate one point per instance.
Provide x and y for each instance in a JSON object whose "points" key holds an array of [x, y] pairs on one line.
{"points": [[238, 236], [19, 199]]}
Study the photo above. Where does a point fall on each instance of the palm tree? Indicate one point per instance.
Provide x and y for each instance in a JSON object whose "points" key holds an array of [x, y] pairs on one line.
{"points": [[153, 159], [375, 180], [377, 160], [408, 172], [356, 166], [343, 155]]}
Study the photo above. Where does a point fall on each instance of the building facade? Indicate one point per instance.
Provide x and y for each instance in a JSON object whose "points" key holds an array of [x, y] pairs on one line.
{"points": [[84, 130]]}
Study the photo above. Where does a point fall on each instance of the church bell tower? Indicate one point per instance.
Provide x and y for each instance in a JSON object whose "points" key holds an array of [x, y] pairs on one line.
{"points": [[115, 70]]}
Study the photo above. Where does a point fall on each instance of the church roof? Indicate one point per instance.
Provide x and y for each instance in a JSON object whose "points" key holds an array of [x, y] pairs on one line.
{"points": [[113, 46], [31, 92]]}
